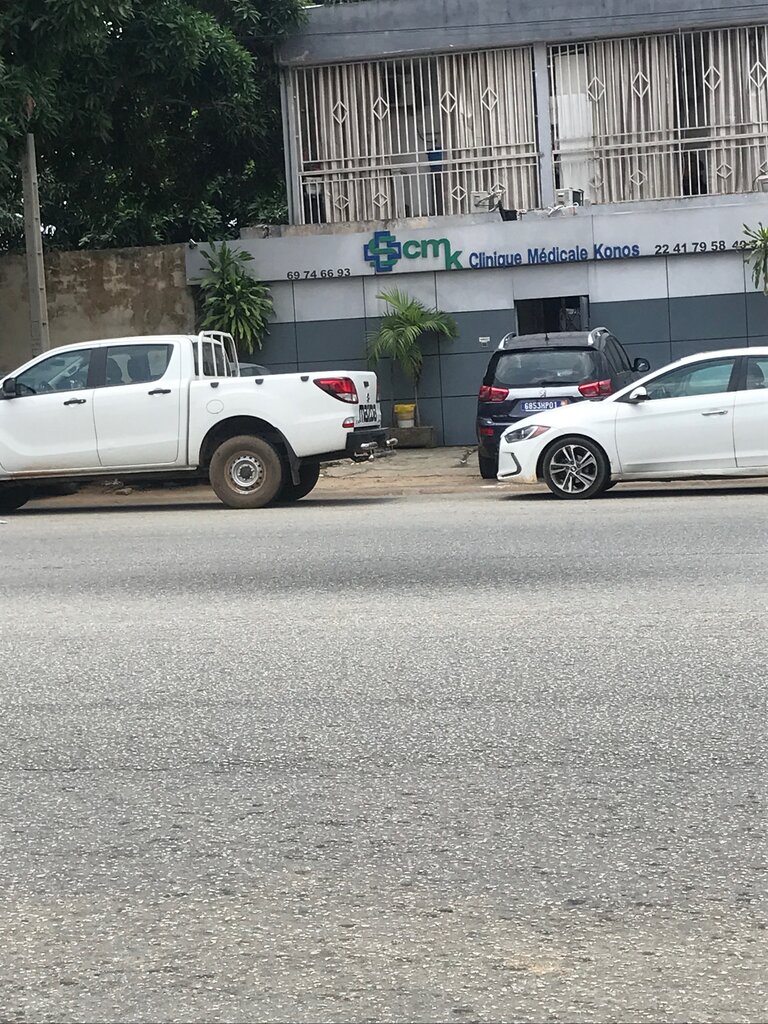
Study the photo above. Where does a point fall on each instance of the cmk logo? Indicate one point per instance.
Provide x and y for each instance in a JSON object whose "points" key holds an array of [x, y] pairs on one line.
{"points": [[384, 251]]}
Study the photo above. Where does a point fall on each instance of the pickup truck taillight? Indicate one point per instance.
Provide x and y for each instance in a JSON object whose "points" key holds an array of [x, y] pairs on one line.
{"points": [[488, 394], [596, 388], [342, 388]]}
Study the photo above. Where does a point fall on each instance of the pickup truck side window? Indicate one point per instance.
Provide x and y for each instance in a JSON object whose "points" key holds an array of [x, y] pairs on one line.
{"points": [[136, 364], [66, 371]]}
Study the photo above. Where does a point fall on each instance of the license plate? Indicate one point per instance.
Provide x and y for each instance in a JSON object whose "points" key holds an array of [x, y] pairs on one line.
{"points": [[367, 414], [542, 404]]}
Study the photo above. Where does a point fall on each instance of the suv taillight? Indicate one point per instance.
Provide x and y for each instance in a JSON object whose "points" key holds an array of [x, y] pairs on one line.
{"points": [[489, 394], [342, 388], [596, 388]]}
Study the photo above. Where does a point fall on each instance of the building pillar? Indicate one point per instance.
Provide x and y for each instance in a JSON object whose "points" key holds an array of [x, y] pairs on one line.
{"points": [[543, 125]]}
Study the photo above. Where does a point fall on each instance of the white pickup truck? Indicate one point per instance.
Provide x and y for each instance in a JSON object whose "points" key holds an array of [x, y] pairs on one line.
{"points": [[175, 407]]}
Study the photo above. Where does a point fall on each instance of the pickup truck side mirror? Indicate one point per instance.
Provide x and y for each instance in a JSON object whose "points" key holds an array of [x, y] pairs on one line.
{"points": [[638, 395], [641, 365], [9, 387]]}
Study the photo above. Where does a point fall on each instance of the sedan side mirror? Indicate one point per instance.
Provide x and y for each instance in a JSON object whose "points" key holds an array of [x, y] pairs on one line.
{"points": [[9, 387], [638, 395], [641, 365]]}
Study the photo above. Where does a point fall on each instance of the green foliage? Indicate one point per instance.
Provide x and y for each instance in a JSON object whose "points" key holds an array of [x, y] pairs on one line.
{"points": [[757, 245], [155, 120], [233, 300], [405, 323]]}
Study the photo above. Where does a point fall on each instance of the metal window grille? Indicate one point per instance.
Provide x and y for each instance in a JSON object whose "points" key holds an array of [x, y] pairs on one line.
{"points": [[413, 137], [652, 117]]}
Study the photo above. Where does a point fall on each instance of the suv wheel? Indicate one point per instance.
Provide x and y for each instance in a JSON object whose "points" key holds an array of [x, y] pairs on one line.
{"points": [[575, 467], [489, 467]]}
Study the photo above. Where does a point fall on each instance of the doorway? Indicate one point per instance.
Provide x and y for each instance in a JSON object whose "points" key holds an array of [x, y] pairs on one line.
{"points": [[552, 316]]}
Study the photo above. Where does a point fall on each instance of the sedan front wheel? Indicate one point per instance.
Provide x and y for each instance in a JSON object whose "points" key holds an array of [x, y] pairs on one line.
{"points": [[575, 467]]}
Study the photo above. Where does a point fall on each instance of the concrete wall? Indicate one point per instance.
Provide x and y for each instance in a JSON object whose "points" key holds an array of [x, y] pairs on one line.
{"points": [[400, 27], [103, 294]]}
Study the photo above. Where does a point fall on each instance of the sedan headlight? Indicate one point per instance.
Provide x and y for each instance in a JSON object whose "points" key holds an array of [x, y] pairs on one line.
{"points": [[524, 433]]}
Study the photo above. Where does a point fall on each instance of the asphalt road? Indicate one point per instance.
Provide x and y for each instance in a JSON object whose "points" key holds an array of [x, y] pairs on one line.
{"points": [[483, 758]]}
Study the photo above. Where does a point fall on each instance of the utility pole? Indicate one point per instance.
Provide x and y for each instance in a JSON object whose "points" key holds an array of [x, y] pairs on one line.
{"points": [[33, 235]]}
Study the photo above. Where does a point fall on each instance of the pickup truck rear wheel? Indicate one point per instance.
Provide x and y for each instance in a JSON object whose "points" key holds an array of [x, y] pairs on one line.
{"points": [[12, 498], [309, 474], [246, 472]]}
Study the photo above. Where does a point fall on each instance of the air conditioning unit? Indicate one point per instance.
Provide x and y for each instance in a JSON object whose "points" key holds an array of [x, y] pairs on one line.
{"points": [[570, 197], [485, 200]]}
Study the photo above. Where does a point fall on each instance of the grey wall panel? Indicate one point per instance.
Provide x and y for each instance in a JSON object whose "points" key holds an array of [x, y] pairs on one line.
{"points": [[758, 339], [282, 299], [279, 367], [490, 323], [429, 384], [707, 316], [658, 353], [333, 364], [459, 420], [694, 346], [464, 290], [337, 299], [633, 321], [757, 313], [431, 414], [329, 340], [279, 346], [419, 286], [462, 374]]}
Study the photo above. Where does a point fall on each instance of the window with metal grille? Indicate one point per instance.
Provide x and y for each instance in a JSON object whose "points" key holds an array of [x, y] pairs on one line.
{"points": [[414, 137], [651, 117]]}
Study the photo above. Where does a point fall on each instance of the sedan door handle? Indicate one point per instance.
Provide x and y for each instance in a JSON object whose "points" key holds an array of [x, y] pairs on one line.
{"points": [[716, 412], [160, 391], [75, 401]]}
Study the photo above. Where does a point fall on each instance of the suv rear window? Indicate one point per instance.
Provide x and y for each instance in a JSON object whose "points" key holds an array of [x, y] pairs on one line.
{"points": [[546, 367]]}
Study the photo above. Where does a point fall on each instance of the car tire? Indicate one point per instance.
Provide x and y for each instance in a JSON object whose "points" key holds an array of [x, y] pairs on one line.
{"points": [[309, 474], [576, 468], [246, 472], [12, 498], [489, 467]]}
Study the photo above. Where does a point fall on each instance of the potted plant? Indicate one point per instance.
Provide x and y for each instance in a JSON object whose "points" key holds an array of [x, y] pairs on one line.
{"points": [[406, 322], [233, 300]]}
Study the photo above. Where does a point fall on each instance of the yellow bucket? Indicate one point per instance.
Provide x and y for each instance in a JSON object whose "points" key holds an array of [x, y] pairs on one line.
{"points": [[405, 414]]}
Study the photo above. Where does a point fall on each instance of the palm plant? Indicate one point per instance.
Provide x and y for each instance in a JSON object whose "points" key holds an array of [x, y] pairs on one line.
{"points": [[757, 246], [233, 300], [404, 324]]}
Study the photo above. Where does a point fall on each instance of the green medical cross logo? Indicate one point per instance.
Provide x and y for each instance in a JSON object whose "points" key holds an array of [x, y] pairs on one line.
{"points": [[383, 251]]}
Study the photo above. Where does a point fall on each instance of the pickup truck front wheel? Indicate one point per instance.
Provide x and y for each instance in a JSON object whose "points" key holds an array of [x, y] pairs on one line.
{"points": [[246, 472]]}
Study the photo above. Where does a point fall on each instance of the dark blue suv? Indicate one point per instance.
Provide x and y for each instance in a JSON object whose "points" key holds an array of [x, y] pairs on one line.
{"points": [[535, 372]]}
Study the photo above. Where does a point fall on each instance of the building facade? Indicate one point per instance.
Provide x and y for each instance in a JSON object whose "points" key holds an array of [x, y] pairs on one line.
{"points": [[524, 167]]}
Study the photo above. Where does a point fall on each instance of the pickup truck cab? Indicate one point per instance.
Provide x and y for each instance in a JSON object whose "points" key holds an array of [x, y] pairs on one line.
{"points": [[176, 407]]}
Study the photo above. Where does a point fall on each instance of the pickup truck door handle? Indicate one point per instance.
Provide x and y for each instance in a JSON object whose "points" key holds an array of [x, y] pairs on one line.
{"points": [[75, 401], [716, 412], [160, 391]]}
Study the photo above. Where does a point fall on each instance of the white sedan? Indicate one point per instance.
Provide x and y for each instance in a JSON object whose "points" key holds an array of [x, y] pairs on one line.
{"points": [[706, 415]]}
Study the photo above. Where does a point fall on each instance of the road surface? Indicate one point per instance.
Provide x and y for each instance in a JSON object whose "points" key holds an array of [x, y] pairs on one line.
{"points": [[487, 757]]}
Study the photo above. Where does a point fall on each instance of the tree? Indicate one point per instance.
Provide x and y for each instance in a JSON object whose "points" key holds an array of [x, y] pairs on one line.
{"points": [[404, 324], [155, 120], [233, 300], [757, 246]]}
